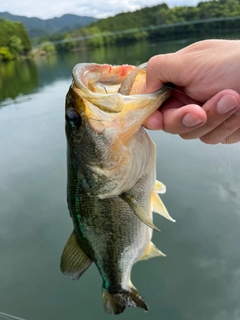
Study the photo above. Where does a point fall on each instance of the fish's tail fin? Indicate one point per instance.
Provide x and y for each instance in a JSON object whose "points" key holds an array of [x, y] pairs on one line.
{"points": [[119, 301]]}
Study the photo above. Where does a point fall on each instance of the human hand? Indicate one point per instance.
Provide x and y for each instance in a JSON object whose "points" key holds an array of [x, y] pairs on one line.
{"points": [[205, 103]]}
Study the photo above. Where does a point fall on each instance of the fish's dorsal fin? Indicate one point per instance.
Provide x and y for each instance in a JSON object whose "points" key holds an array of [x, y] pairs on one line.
{"points": [[159, 187], [159, 207], [74, 260], [152, 252], [138, 211]]}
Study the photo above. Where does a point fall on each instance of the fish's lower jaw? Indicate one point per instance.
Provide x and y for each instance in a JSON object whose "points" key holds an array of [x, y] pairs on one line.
{"points": [[119, 301]]}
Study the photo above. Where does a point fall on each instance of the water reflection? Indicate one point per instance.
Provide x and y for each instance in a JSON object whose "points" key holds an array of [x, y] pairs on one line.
{"points": [[17, 77]]}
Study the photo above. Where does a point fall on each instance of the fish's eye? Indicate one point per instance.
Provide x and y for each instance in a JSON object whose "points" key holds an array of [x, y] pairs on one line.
{"points": [[73, 119]]}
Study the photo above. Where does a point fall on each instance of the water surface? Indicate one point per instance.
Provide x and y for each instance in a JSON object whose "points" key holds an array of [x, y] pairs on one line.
{"points": [[199, 279]]}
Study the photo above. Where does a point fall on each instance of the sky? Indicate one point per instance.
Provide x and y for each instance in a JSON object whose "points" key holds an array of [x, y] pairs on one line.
{"points": [[47, 9]]}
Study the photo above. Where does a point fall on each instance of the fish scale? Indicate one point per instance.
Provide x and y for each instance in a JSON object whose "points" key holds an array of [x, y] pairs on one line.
{"points": [[105, 219], [112, 187]]}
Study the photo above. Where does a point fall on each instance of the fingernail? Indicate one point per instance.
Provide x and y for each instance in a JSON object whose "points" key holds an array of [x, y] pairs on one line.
{"points": [[190, 120], [226, 104]]}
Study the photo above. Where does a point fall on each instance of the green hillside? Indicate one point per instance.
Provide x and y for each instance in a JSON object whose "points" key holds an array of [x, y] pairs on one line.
{"points": [[147, 23], [14, 40], [162, 14]]}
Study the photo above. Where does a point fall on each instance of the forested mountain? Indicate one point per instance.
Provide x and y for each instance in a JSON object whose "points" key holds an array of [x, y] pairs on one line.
{"points": [[162, 14], [38, 27], [151, 22], [14, 40], [156, 22]]}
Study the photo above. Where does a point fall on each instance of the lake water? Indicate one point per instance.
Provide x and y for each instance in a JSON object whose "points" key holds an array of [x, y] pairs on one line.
{"points": [[199, 279]]}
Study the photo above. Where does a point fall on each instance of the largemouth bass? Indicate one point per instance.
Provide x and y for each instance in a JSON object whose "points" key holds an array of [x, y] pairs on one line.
{"points": [[112, 188]]}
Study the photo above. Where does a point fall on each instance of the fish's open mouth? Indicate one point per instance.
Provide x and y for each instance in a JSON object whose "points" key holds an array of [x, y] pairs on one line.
{"points": [[111, 88], [107, 79]]}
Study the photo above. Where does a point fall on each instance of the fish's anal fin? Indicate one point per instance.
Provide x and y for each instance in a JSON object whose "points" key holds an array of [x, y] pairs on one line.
{"points": [[152, 252], [119, 301], [159, 207], [74, 260], [159, 187], [138, 211]]}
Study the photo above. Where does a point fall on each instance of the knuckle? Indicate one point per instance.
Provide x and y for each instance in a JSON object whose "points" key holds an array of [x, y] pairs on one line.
{"points": [[233, 138], [171, 129], [228, 127], [210, 139], [225, 141], [186, 136]]}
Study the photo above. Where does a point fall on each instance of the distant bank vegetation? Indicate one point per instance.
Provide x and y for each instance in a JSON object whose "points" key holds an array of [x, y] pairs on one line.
{"points": [[143, 25], [146, 23], [14, 40]]}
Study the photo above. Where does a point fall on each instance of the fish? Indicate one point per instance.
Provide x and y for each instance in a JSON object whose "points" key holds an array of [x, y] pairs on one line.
{"points": [[111, 185]]}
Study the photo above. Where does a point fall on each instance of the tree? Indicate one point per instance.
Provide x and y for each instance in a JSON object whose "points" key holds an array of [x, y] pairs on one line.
{"points": [[14, 37], [15, 45]]}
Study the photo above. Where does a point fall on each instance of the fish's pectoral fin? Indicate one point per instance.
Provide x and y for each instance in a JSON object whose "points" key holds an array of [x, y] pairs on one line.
{"points": [[138, 211], [159, 207], [117, 302], [74, 260], [152, 252], [159, 187]]}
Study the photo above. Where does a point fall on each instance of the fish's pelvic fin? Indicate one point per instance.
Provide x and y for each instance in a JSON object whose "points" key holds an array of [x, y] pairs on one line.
{"points": [[159, 187], [119, 301], [138, 211], [74, 260], [152, 252], [159, 207]]}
